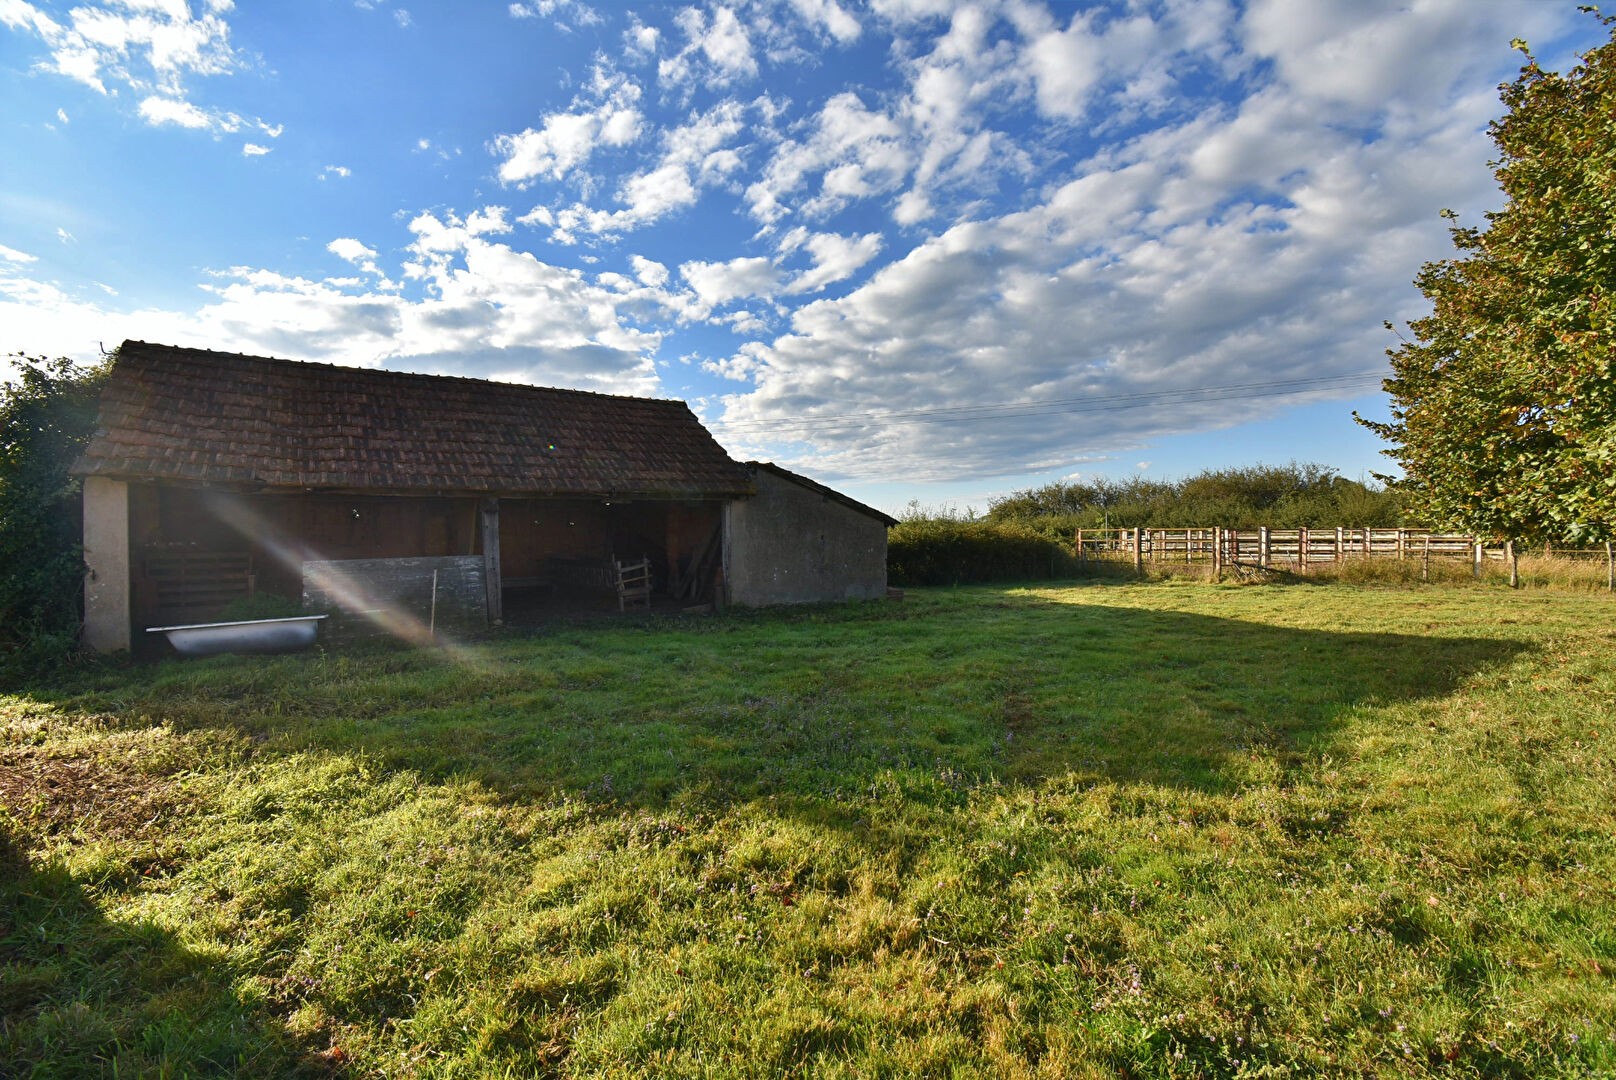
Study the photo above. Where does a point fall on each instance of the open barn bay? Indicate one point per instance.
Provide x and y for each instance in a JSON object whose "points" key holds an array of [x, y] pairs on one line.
{"points": [[1152, 830]]}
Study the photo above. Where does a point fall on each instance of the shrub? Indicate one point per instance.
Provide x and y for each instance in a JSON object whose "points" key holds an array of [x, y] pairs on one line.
{"points": [[955, 551]]}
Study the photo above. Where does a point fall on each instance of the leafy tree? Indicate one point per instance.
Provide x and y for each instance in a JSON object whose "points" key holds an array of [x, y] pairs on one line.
{"points": [[46, 415], [1504, 401]]}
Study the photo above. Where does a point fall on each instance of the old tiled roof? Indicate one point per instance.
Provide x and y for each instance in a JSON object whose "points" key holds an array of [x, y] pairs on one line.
{"points": [[199, 417]]}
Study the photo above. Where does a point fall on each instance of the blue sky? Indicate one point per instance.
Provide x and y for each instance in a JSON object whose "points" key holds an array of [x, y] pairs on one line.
{"points": [[920, 250]]}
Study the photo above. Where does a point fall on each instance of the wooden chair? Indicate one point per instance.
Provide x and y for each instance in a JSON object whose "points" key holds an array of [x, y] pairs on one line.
{"points": [[633, 583]]}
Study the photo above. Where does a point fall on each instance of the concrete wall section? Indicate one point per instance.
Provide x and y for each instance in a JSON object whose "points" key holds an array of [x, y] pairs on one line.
{"points": [[106, 555], [791, 544], [373, 598]]}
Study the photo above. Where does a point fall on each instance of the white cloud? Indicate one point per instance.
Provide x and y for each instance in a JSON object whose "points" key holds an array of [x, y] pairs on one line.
{"points": [[748, 361], [11, 254], [830, 16], [718, 283], [61, 114], [165, 110], [65, 237], [694, 156], [640, 42], [834, 257], [403, 18], [856, 151], [717, 51], [341, 172], [254, 150], [483, 309], [563, 13], [649, 271], [1065, 64], [566, 140], [152, 47], [351, 250]]}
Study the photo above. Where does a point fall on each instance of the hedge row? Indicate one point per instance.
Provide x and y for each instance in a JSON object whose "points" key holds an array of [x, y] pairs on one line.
{"points": [[949, 551]]}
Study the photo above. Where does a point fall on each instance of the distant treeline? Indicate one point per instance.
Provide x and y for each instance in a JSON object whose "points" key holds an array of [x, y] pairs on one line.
{"points": [[1279, 496]]}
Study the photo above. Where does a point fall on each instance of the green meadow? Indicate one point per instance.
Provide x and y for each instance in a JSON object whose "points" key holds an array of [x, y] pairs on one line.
{"points": [[1166, 829]]}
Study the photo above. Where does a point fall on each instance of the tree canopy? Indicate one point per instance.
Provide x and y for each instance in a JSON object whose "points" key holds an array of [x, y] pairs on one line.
{"points": [[1504, 400], [47, 413]]}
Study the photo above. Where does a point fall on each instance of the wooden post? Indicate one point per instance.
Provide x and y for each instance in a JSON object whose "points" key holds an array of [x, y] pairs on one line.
{"points": [[1340, 544], [1138, 551], [1610, 567], [1302, 544], [1425, 560], [1150, 537], [1264, 547], [1368, 543], [1514, 564], [1481, 553], [492, 583], [1217, 553], [1402, 544], [1080, 547]]}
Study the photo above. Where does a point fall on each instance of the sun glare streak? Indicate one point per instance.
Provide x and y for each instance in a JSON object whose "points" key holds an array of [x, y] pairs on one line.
{"points": [[390, 617]]}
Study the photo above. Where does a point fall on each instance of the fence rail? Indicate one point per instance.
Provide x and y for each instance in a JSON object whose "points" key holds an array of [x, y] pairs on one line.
{"points": [[1301, 548]]}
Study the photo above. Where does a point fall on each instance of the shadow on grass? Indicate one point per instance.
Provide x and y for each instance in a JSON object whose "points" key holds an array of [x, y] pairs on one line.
{"points": [[928, 698], [82, 996]]}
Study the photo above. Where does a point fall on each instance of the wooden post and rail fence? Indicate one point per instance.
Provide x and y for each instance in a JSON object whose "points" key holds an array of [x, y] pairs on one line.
{"points": [[1299, 549]]}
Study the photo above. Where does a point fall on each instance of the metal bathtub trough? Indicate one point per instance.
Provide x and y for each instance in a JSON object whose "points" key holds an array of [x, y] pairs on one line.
{"points": [[250, 636]]}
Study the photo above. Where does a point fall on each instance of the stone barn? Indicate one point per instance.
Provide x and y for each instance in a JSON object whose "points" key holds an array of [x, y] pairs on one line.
{"points": [[798, 541], [392, 498]]}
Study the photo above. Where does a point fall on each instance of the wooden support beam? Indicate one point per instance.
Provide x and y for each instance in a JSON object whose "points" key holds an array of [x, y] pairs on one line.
{"points": [[492, 581]]}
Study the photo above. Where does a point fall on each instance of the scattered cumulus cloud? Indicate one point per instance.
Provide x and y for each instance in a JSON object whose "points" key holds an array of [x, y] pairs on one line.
{"points": [[254, 150], [12, 255], [152, 48], [717, 50], [607, 114], [717, 283]]}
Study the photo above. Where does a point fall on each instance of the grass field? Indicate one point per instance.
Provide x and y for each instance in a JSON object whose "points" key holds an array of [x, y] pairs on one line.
{"points": [[1150, 830]]}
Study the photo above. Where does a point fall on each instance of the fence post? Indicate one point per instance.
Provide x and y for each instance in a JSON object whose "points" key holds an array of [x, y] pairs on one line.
{"points": [[1610, 567], [1262, 547], [1402, 544], [1340, 545], [1302, 544], [1080, 547], [1217, 553], [1514, 564], [1481, 553], [1425, 560], [1139, 550]]}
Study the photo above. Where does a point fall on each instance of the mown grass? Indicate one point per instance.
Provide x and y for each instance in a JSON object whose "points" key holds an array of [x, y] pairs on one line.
{"points": [[1140, 829]]}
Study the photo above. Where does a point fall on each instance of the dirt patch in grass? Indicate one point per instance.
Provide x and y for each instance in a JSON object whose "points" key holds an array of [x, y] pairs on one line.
{"points": [[49, 794]]}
